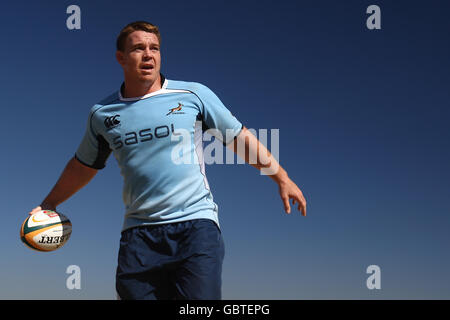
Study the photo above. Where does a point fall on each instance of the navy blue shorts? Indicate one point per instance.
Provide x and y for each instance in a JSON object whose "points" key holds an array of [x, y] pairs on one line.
{"points": [[171, 261]]}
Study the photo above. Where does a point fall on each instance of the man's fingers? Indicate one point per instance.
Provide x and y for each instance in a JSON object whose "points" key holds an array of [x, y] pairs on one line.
{"points": [[304, 211], [289, 191], [301, 205], [287, 206], [300, 201], [35, 210]]}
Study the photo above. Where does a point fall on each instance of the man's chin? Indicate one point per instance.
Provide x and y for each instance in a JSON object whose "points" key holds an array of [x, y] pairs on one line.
{"points": [[150, 78]]}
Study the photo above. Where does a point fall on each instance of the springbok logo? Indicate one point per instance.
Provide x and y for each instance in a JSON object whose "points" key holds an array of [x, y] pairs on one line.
{"points": [[175, 110]]}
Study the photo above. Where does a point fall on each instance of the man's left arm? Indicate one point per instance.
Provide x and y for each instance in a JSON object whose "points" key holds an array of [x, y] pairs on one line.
{"points": [[249, 148]]}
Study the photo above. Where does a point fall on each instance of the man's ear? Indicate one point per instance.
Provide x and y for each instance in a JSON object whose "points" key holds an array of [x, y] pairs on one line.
{"points": [[120, 57]]}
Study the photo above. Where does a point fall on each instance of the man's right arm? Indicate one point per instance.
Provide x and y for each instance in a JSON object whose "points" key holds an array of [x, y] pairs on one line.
{"points": [[74, 177]]}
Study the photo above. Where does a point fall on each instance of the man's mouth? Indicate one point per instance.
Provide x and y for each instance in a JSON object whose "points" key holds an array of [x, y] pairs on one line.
{"points": [[147, 67]]}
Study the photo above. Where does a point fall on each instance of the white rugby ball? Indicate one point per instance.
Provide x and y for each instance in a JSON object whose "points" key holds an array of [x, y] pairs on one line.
{"points": [[45, 230]]}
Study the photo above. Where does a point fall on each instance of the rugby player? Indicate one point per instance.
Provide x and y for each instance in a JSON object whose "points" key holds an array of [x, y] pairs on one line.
{"points": [[171, 246]]}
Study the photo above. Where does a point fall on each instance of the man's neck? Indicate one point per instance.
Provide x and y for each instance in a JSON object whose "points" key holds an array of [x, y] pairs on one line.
{"points": [[133, 89]]}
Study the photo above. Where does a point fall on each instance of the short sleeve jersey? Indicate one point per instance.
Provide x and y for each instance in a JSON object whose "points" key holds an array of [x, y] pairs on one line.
{"points": [[157, 142]]}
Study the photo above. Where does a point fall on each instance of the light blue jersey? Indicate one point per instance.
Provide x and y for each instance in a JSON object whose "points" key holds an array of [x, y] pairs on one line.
{"points": [[157, 142]]}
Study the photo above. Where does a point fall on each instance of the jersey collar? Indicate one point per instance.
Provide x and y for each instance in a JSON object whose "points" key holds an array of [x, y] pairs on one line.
{"points": [[164, 83]]}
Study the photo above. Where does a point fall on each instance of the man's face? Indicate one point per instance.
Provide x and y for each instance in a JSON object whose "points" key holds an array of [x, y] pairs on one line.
{"points": [[141, 58]]}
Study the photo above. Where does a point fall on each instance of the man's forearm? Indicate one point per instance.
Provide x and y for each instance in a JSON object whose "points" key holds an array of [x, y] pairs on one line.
{"points": [[249, 148], [74, 177]]}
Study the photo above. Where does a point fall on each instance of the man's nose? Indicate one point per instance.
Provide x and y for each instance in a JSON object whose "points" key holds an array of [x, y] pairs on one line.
{"points": [[147, 54]]}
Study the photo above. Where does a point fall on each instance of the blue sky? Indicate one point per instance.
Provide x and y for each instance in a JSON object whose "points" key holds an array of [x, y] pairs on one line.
{"points": [[363, 118]]}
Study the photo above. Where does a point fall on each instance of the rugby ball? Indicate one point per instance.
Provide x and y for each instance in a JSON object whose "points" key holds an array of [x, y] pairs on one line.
{"points": [[45, 230]]}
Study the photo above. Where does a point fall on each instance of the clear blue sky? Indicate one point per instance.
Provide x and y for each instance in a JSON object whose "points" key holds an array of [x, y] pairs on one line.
{"points": [[364, 131]]}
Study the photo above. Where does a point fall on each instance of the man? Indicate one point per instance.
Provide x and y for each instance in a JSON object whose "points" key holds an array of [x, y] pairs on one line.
{"points": [[171, 245]]}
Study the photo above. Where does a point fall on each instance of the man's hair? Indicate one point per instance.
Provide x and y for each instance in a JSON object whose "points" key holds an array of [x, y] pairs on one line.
{"points": [[136, 26]]}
